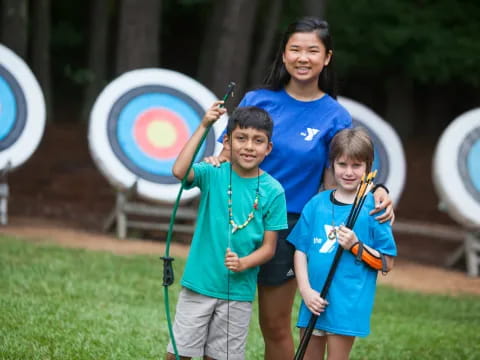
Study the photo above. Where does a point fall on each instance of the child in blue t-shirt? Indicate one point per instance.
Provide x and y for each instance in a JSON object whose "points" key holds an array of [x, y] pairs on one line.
{"points": [[241, 209], [346, 310]]}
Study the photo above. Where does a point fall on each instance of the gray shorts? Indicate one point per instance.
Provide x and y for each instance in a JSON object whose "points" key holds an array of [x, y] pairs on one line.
{"points": [[200, 326]]}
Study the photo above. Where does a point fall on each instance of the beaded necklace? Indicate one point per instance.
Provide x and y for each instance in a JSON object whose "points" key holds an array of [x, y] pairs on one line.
{"points": [[250, 217]]}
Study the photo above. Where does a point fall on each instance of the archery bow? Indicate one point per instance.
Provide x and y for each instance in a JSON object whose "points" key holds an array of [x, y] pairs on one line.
{"points": [[168, 276]]}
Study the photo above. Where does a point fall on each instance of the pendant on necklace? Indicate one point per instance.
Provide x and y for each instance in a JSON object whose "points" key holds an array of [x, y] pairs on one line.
{"points": [[332, 234]]}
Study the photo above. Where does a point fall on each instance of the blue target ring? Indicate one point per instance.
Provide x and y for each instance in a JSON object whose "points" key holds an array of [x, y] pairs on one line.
{"points": [[139, 124], [13, 114], [456, 169], [22, 110], [8, 110], [469, 163], [121, 123]]}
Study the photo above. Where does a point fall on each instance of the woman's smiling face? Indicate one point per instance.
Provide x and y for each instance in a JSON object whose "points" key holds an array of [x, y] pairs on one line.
{"points": [[305, 56]]}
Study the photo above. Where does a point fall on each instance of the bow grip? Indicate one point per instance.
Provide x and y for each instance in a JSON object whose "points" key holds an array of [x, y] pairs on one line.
{"points": [[167, 270]]}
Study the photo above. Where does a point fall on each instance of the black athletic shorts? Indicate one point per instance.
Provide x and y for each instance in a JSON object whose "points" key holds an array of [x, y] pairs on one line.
{"points": [[280, 268]]}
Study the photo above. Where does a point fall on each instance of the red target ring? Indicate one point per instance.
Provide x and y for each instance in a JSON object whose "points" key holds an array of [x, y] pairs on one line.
{"points": [[140, 122], [160, 133]]}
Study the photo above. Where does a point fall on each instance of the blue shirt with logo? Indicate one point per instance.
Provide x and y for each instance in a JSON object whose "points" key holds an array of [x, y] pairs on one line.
{"points": [[301, 137], [352, 291]]}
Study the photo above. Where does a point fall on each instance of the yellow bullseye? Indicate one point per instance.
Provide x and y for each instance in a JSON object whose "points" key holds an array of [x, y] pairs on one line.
{"points": [[161, 133]]}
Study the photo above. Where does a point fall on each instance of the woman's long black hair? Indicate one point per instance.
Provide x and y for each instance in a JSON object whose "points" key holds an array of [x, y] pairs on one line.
{"points": [[278, 76]]}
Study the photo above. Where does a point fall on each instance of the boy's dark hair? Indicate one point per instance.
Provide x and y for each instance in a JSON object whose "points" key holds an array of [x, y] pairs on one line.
{"points": [[354, 143], [250, 117]]}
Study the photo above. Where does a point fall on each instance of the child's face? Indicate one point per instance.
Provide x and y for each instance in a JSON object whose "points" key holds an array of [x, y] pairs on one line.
{"points": [[348, 173], [248, 147]]}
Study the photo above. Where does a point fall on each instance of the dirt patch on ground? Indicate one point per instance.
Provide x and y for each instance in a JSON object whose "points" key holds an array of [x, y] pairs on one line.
{"points": [[53, 232], [407, 275], [59, 195]]}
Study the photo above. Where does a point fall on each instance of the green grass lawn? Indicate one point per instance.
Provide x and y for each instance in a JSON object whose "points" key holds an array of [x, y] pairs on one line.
{"points": [[58, 303]]}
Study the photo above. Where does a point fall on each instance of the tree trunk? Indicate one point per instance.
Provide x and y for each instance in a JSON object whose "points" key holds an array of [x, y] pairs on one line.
{"points": [[41, 49], [240, 49], [437, 106], [138, 41], [267, 42], [400, 105], [231, 50], [315, 8], [210, 43], [14, 20], [97, 53]]}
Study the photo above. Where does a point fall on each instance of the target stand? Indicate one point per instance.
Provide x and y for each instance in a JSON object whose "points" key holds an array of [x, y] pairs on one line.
{"points": [[138, 125], [470, 249], [4, 192], [456, 176], [133, 213], [22, 119]]}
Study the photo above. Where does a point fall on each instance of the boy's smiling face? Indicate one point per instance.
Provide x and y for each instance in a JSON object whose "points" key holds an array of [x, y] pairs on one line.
{"points": [[348, 173], [248, 147]]}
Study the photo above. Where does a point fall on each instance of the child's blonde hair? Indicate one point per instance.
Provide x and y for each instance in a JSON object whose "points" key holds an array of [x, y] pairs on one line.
{"points": [[353, 143]]}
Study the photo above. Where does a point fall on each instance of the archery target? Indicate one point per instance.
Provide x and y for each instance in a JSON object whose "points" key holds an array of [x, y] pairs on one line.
{"points": [[456, 169], [139, 124], [389, 158], [22, 110]]}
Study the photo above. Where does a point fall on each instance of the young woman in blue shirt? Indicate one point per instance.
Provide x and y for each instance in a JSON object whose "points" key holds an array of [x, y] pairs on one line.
{"points": [[299, 94]]}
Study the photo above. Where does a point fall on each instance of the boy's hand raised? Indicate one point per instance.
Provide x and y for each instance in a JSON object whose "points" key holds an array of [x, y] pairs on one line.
{"points": [[214, 113]]}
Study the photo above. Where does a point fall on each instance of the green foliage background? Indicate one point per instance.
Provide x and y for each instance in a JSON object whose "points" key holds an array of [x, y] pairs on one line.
{"points": [[431, 41]]}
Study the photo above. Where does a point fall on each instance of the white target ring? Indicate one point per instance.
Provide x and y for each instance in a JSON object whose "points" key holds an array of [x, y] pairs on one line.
{"points": [[456, 169], [122, 106], [389, 155], [22, 110]]}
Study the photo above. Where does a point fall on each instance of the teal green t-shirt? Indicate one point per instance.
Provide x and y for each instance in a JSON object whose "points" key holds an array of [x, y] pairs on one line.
{"points": [[205, 271]]}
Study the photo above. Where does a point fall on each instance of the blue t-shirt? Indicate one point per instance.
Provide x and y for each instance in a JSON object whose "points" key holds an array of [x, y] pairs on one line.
{"points": [[205, 271], [352, 291], [301, 136]]}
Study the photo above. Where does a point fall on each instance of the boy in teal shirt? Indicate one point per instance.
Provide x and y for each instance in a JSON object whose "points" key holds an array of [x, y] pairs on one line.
{"points": [[241, 209]]}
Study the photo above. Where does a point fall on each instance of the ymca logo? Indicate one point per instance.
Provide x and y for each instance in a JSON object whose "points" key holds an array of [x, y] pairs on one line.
{"points": [[309, 134]]}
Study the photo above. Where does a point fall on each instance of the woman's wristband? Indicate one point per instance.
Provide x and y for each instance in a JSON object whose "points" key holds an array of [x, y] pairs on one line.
{"points": [[380, 186]]}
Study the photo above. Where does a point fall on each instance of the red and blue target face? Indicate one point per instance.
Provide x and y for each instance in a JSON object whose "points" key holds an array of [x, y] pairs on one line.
{"points": [[469, 163], [380, 159], [12, 109], [148, 127]]}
